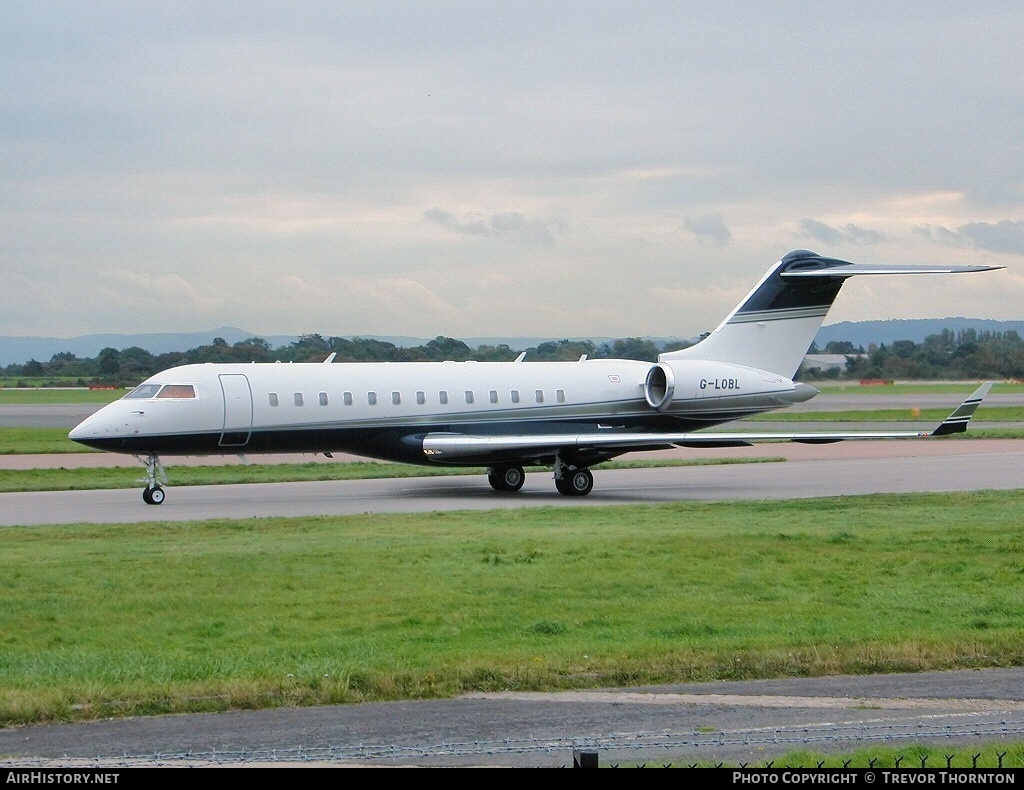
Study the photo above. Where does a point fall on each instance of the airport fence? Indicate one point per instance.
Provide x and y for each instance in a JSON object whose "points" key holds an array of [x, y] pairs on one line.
{"points": [[686, 749]]}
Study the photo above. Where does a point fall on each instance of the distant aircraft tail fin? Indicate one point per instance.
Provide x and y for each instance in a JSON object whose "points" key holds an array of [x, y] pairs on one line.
{"points": [[775, 324]]}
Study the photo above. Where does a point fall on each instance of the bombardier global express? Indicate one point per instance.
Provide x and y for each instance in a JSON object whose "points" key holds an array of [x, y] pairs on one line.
{"points": [[506, 415]]}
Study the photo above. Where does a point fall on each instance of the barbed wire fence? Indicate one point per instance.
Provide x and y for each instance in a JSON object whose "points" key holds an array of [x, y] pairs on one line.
{"points": [[644, 745]]}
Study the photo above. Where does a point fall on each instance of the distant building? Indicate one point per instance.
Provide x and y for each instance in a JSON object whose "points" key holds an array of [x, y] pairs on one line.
{"points": [[828, 361]]}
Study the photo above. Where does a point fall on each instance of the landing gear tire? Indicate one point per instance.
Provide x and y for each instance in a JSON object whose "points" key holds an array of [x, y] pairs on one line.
{"points": [[153, 494], [579, 482], [506, 479]]}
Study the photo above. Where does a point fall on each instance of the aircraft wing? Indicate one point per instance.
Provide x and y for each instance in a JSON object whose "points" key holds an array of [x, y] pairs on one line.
{"points": [[453, 445]]}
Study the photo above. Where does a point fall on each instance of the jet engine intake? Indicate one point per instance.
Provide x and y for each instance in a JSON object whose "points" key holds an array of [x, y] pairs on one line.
{"points": [[659, 386]]}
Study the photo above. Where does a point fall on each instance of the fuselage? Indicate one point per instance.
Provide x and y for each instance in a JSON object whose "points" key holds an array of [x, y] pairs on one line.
{"points": [[383, 410]]}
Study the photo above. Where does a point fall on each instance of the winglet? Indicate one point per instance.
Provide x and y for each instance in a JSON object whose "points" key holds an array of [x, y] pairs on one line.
{"points": [[957, 421]]}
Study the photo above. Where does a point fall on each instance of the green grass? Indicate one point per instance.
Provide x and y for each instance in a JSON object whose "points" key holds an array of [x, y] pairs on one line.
{"points": [[62, 479], [867, 414], [45, 396], [159, 617], [915, 388], [30, 441]]}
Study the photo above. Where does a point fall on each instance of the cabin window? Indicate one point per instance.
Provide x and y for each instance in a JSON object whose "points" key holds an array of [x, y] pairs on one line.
{"points": [[177, 391], [560, 396], [144, 391], [298, 398], [442, 397], [323, 398], [515, 396], [371, 398], [469, 396], [274, 399], [396, 398], [421, 397], [346, 397], [494, 396], [539, 396]]}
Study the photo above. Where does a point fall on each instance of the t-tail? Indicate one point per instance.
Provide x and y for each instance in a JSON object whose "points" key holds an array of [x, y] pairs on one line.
{"points": [[775, 324]]}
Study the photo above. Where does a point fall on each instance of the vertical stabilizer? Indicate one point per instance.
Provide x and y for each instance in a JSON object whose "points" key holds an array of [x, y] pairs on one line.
{"points": [[775, 324]]}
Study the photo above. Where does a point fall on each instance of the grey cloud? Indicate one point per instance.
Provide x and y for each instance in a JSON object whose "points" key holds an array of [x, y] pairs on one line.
{"points": [[850, 234], [940, 234], [710, 229], [819, 231], [509, 225], [1003, 236]]}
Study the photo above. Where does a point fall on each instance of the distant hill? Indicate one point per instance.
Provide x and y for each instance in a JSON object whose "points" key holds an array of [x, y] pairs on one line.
{"points": [[864, 333], [16, 350]]}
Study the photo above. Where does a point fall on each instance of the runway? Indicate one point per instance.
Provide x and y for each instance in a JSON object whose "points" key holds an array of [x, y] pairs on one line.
{"points": [[812, 471]]}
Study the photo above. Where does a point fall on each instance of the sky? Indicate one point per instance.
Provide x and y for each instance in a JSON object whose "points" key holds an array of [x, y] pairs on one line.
{"points": [[499, 169]]}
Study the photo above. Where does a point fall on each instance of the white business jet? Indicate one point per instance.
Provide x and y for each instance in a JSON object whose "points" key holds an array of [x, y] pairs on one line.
{"points": [[506, 415]]}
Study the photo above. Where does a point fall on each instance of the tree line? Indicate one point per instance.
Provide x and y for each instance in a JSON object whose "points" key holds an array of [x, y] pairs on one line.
{"points": [[129, 366], [967, 354], [964, 355]]}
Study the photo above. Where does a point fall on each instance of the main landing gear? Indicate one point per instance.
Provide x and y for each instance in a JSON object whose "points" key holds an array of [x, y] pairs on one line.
{"points": [[569, 480], [572, 480], [506, 479], [153, 494]]}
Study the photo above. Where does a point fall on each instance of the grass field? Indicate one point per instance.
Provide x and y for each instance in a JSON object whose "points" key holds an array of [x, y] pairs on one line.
{"points": [[42, 396], [915, 387], [930, 417], [28, 441], [155, 617]]}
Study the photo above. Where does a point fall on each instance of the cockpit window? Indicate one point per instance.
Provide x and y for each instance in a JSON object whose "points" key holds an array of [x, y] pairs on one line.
{"points": [[177, 391], [144, 391]]}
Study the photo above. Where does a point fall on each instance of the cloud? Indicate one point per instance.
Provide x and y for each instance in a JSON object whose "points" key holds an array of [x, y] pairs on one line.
{"points": [[850, 234], [390, 295], [710, 229], [1003, 236], [509, 225], [160, 289]]}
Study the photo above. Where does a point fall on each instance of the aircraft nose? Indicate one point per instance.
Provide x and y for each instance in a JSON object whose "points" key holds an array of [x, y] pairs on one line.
{"points": [[87, 429]]}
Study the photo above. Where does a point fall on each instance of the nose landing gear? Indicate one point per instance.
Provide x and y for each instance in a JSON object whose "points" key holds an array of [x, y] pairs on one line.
{"points": [[153, 494]]}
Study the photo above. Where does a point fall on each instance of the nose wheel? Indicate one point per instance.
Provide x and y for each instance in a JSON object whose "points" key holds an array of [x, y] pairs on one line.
{"points": [[153, 494]]}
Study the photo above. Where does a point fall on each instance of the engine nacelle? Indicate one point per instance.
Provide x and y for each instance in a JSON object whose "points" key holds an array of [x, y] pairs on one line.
{"points": [[660, 386], [686, 384]]}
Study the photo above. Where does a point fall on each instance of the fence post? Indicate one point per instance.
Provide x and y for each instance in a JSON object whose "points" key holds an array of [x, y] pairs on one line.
{"points": [[582, 759]]}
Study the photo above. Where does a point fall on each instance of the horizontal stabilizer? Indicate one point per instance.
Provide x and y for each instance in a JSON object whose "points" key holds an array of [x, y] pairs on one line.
{"points": [[844, 269]]}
